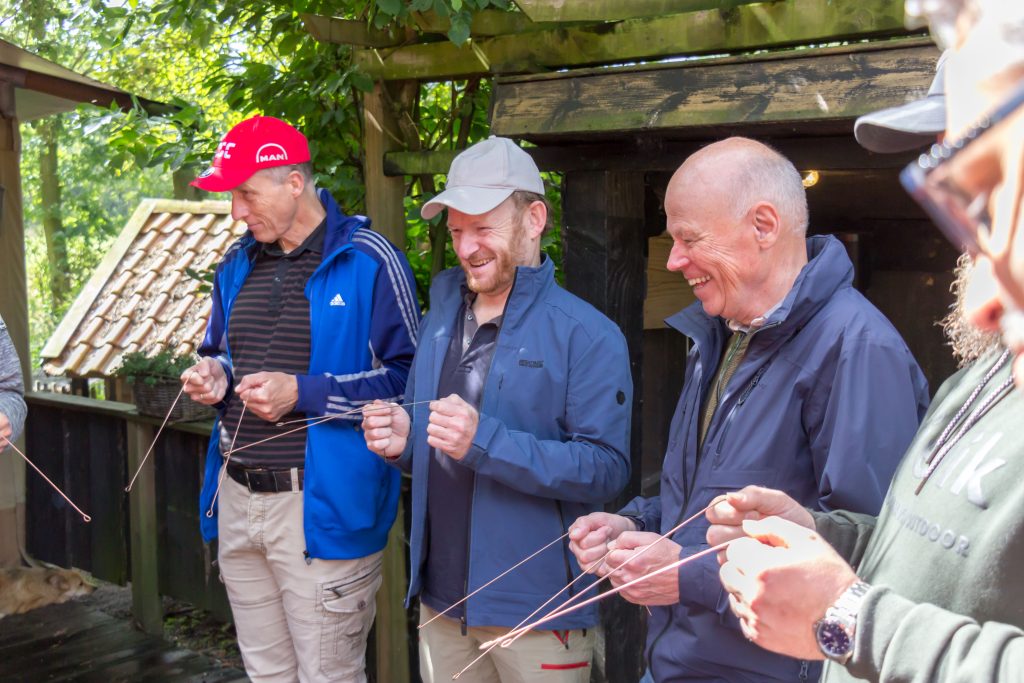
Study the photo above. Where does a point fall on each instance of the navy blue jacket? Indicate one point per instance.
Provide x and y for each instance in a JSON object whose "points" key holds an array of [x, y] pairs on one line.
{"points": [[363, 318], [552, 443], [823, 405]]}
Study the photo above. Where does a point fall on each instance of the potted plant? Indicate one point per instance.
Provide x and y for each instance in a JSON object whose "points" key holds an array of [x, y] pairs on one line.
{"points": [[156, 382]]}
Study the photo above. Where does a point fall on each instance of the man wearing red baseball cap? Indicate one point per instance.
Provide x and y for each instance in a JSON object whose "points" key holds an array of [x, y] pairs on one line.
{"points": [[314, 314]]}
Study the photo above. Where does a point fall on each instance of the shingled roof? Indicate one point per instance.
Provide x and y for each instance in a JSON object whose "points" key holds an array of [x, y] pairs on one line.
{"points": [[140, 297]]}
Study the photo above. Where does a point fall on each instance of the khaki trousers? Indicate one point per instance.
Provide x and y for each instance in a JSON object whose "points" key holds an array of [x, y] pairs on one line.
{"points": [[295, 621], [537, 657]]}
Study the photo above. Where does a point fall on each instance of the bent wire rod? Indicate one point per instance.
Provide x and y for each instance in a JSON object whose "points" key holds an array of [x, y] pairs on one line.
{"points": [[510, 637], [313, 421], [487, 647], [387, 404], [227, 461], [85, 518], [128, 489], [515, 566]]}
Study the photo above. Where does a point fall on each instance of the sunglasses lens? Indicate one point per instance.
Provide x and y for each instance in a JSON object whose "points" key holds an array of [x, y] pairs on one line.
{"points": [[946, 208]]}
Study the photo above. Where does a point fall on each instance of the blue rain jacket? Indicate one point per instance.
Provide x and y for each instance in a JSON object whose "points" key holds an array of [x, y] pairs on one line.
{"points": [[822, 406], [364, 318], [552, 443]]}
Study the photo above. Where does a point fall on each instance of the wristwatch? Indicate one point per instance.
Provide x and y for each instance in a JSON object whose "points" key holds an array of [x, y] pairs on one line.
{"points": [[835, 631]]}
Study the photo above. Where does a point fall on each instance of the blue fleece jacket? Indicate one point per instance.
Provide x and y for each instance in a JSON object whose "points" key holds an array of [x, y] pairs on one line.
{"points": [[360, 350], [823, 405], [552, 443]]}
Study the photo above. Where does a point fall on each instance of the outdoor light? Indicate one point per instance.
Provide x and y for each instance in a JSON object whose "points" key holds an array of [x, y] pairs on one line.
{"points": [[811, 178]]}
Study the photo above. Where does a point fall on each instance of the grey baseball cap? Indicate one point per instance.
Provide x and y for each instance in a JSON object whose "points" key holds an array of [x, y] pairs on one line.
{"points": [[909, 126], [485, 175]]}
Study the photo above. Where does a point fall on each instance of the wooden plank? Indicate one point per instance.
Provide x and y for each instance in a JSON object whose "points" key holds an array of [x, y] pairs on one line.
{"points": [[835, 86], [146, 604], [613, 10], [385, 196], [604, 263], [107, 474], [351, 32], [667, 292], [794, 22], [645, 154], [46, 535]]}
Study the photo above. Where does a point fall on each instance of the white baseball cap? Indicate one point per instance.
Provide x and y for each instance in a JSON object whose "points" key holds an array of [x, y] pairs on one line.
{"points": [[909, 126], [484, 176]]}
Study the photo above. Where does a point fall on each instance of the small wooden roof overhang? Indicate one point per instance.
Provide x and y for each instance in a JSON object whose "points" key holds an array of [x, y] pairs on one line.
{"points": [[43, 87]]}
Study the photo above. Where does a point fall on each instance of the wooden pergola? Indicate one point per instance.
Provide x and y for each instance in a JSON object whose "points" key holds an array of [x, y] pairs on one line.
{"points": [[615, 95]]}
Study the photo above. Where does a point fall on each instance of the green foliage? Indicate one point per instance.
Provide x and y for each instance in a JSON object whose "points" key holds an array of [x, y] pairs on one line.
{"points": [[458, 12], [152, 370]]}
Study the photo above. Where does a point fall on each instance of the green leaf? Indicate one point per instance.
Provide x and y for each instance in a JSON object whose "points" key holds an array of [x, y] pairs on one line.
{"points": [[392, 7], [361, 81], [459, 32]]}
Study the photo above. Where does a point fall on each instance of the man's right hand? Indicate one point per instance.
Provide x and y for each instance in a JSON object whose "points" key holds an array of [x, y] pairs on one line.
{"points": [[386, 428], [753, 502], [206, 382], [589, 536], [5, 431]]}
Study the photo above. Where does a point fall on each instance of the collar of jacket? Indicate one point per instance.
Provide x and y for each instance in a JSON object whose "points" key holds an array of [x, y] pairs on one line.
{"points": [[828, 270], [530, 283], [338, 234]]}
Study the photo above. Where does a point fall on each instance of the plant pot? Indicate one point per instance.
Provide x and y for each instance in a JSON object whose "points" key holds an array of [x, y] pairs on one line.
{"points": [[155, 399]]}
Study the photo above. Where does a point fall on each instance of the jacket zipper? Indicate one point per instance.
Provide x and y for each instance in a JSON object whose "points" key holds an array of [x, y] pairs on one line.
{"points": [[732, 411]]}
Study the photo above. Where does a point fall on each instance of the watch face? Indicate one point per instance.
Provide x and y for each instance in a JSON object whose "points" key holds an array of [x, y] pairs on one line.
{"points": [[833, 639]]}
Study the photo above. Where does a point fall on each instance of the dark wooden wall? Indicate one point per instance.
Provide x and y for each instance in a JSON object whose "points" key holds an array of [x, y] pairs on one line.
{"points": [[82, 446]]}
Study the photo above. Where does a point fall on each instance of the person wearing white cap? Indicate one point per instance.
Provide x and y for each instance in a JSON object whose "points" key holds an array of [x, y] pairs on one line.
{"points": [[527, 428]]}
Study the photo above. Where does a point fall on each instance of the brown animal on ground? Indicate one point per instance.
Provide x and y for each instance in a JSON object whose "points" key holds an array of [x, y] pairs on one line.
{"points": [[23, 588]]}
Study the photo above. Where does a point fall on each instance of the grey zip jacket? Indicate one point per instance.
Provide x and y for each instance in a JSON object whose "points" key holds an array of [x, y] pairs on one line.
{"points": [[12, 389]]}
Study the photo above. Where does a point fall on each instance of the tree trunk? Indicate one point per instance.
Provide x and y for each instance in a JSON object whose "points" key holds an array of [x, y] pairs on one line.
{"points": [[53, 223], [182, 177]]}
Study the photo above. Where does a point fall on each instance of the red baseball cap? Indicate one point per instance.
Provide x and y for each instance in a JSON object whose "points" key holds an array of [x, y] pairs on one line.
{"points": [[254, 144]]}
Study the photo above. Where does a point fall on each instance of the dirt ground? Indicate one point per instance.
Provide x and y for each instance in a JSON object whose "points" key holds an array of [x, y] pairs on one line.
{"points": [[184, 625]]}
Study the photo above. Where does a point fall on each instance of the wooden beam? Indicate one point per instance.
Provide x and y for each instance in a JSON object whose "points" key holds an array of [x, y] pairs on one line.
{"points": [[614, 10], [650, 154], [748, 27], [351, 32], [488, 23], [829, 87]]}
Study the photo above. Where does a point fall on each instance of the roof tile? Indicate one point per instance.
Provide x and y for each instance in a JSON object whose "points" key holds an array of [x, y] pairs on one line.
{"points": [[147, 301]]}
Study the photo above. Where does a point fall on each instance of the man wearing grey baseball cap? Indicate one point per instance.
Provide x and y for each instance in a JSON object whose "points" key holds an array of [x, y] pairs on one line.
{"points": [[527, 428]]}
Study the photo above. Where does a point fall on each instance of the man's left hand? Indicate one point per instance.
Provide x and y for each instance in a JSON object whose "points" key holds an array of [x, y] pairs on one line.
{"points": [[662, 589], [781, 580], [269, 395], [452, 426]]}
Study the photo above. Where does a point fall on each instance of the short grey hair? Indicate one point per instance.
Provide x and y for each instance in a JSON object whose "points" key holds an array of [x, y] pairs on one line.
{"points": [[305, 169], [771, 177]]}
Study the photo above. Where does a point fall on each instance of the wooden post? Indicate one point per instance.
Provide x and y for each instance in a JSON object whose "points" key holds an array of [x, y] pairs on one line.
{"points": [[603, 243], [391, 625], [384, 196], [146, 603], [385, 207], [14, 309]]}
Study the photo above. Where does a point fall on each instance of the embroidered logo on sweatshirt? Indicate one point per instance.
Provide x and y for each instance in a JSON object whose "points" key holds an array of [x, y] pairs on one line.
{"points": [[337, 300]]}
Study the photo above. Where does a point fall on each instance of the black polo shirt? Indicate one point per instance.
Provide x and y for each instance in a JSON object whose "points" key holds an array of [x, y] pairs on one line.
{"points": [[450, 498], [268, 331]]}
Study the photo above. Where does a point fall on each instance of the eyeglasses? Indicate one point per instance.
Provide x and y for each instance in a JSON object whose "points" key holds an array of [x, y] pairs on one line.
{"points": [[954, 180]]}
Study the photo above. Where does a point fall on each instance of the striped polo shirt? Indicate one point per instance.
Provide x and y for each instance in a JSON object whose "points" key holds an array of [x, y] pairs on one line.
{"points": [[268, 331]]}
